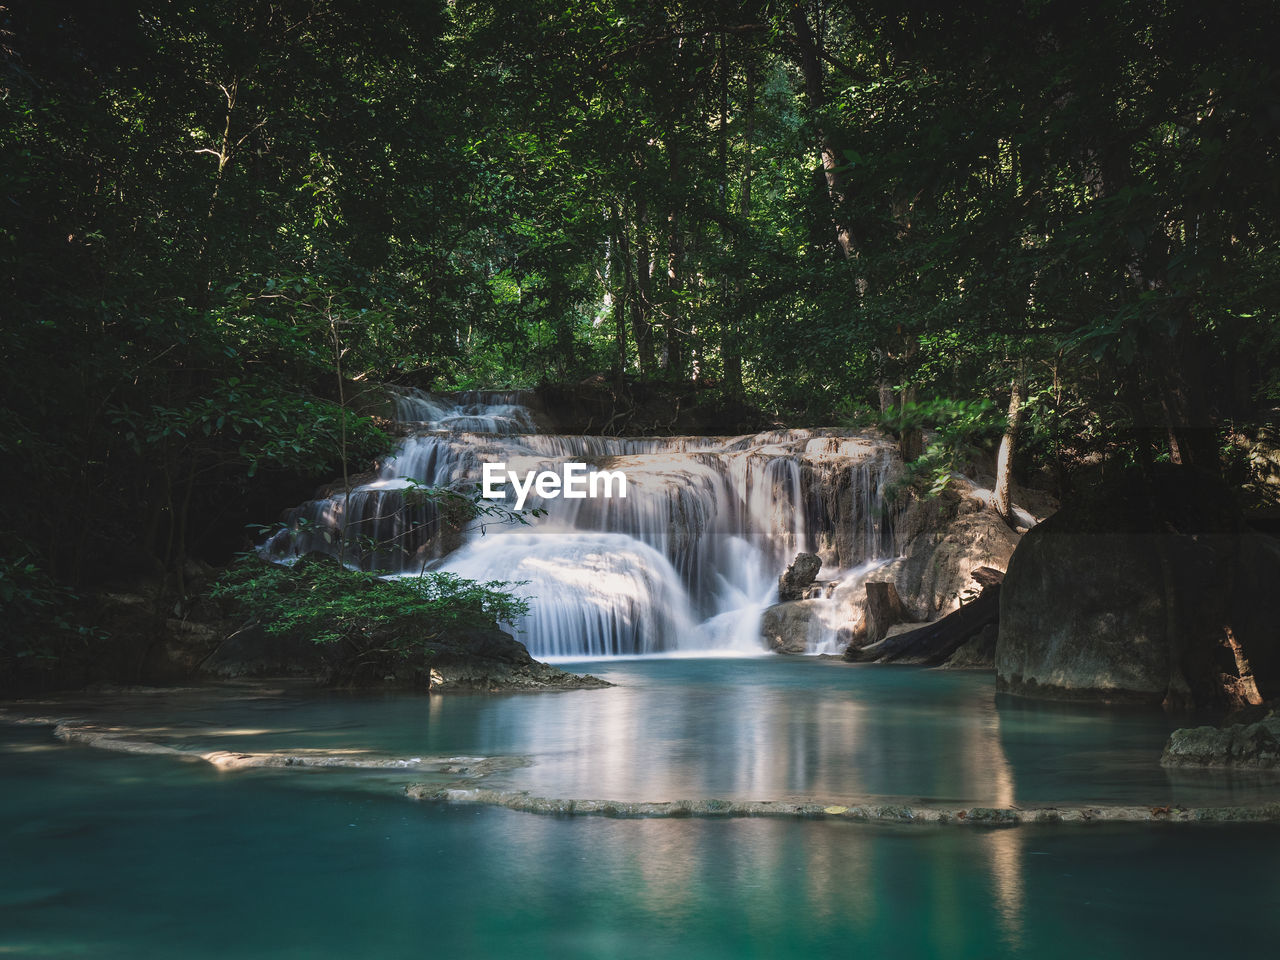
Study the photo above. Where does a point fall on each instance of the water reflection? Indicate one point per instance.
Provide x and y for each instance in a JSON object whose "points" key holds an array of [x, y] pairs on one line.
{"points": [[1058, 747], [776, 729], [1005, 859], [908, 891], [763, 729], [756, 730]]}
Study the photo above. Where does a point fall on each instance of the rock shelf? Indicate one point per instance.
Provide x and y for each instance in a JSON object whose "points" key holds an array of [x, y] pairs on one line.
{"points": [[862, 811], [121, 740]]}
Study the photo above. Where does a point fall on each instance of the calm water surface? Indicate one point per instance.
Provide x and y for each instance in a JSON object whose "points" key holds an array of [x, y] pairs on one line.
{"points": [[113, 855]]}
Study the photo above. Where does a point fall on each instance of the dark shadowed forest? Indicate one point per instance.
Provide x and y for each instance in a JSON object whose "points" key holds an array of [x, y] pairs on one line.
{"points": [[224, 221]]}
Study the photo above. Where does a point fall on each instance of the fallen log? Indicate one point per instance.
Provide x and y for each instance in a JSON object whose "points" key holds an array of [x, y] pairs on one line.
{"points": [[934, 643]]}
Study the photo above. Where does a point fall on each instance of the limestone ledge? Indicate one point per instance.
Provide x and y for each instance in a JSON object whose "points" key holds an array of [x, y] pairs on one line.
{"points": [[121, 741], [863, 812], [468, 769]]}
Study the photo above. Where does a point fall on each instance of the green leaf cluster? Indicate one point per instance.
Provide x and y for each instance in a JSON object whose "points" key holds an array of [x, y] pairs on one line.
{"points": [[319, 600], [38, 616]]}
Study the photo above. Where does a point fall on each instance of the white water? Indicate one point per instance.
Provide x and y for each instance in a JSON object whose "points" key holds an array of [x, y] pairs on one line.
{"points": [[686, 562]]}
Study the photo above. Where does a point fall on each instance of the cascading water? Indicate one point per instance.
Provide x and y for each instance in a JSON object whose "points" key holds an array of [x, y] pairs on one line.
{"points": [[686, 561]]}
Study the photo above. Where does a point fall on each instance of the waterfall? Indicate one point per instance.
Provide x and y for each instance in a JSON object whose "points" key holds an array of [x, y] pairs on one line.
{"points": [[686, 561]]}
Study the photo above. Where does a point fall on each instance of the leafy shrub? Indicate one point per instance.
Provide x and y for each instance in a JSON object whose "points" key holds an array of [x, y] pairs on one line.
{"points": [[955, 432], [320, 600], [37, 613]]}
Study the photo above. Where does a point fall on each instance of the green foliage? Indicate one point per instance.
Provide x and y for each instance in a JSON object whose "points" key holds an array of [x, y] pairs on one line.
{"points": [[246, 426], [955, 431], [38, 615], [319, 600], [468, 505], [226, 219]]}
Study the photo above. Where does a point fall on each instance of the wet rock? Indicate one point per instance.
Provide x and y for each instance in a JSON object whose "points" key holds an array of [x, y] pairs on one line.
{"points": [[790, 627], [492, 661], [478, 659], [1254, 746], [842, 480], [802, 572]]}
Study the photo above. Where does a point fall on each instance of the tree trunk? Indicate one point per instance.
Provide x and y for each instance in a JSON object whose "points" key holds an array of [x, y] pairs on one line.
{"points": [[883, 609], [618, 271], [204, 270], [730, 353], [733, 348], [642, 301], [911, 439], [673, 352], [936, 642], [811, 68], [1004, 459], [1180, 376]]}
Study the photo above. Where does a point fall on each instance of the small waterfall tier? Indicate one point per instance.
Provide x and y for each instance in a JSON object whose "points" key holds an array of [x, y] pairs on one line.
{"points": [[686, 561]]}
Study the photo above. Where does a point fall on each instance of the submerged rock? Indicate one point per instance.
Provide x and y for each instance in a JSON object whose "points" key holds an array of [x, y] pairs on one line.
{"points": [[1148, 592], [1254, 746], [119, 739]]}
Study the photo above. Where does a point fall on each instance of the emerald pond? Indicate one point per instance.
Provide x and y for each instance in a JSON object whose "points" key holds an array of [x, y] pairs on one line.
{"points": [[120, 855]]}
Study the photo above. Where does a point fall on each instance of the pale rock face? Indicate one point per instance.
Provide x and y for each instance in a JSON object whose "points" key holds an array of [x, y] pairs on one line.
{"points": [[943, 542]]}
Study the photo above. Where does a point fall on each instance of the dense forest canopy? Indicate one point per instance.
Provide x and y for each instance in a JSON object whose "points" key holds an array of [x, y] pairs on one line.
{"points": [[223, 218]]}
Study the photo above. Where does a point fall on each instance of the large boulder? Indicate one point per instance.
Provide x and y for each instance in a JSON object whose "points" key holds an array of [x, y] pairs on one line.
{"points": [[794, 625], [251, 651], [486, 659], [942, 541], [1150, 590]]}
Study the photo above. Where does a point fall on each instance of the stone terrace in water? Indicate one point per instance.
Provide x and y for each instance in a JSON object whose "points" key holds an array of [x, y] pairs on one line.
{"points": [[686, 562]]}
